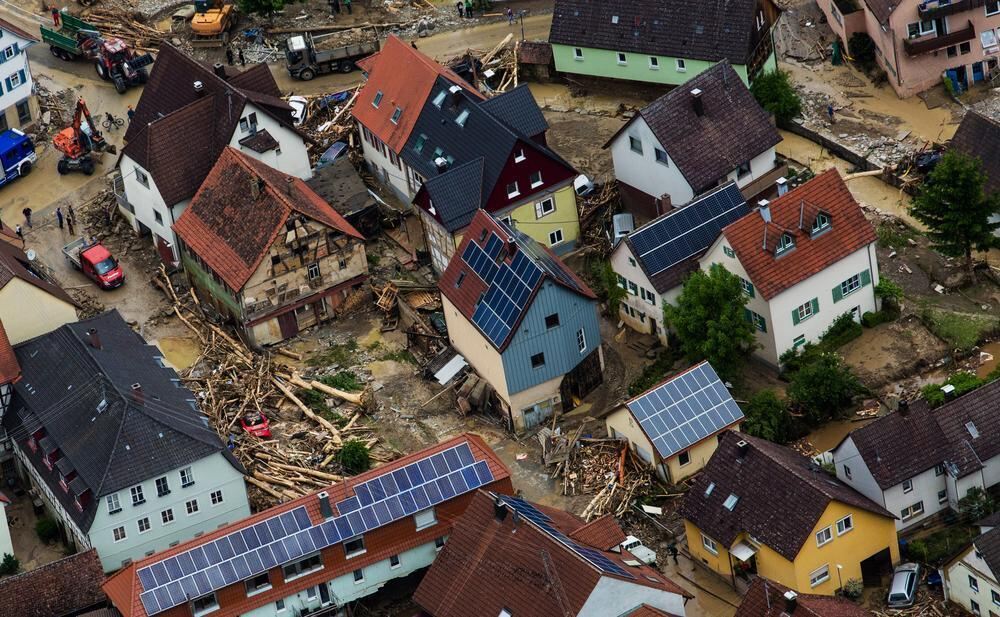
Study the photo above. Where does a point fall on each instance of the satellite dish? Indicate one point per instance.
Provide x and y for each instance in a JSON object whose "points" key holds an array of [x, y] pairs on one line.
{"points": [[31, 254]]}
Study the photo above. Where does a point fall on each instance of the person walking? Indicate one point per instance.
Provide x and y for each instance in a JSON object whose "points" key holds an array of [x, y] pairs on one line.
{"points": [[468, 8], [510, 16], [130, 113], [243, 59], [461, 9], [20, 234], [829, 112], [69, 224], [72, 213], [27, 217], [347, 5], [229, 56], [59, 217]]}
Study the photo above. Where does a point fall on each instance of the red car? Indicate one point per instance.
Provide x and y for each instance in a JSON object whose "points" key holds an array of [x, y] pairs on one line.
{"points": [[256, 424]]}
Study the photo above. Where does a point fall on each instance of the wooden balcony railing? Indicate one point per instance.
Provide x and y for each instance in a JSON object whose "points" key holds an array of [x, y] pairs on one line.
{"points": [[915, 47]]}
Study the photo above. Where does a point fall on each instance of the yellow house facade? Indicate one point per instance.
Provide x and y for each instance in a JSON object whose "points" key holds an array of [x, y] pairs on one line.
{"points": [[30, 304]]}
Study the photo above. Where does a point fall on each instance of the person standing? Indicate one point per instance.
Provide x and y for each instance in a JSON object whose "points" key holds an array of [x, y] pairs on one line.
{"points": [[335, 5], [59, 217], [229, 55], [27, 217], [461, 9], [72, 213], [69, 224], [243, 59], [468, 8], [829, 112], [510, 16], [347, 5], [130, 113]]}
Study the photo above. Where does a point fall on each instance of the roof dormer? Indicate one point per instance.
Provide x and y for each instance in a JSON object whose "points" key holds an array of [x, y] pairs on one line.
{"points": [[812, 219]]}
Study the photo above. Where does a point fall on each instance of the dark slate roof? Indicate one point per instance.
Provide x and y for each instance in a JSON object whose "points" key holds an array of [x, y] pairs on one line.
{"points": [[992, 520], [57, 589], [765, 598], [693, 29], [766, 480], [988, 546], [979, 136], [899, 446], [976, 412], [340, 186], [732, 130], [456, 196], [517, 109], [667, 248], [115, 445], [534, 52], [259, 142]]}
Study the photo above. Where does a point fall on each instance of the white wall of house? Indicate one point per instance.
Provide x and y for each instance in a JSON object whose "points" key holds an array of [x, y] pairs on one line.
{"points": [[642, 315], [959, 588], [642, 171], [149, 207], [760, 165], [860, 479], [6, 545], [16, 81], [387, 172], [925, 488], [54, 506], [611, 596], [290, 157]]}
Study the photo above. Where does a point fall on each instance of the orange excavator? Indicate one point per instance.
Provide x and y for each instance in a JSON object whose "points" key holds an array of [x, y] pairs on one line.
{"points": [[79, 141]]}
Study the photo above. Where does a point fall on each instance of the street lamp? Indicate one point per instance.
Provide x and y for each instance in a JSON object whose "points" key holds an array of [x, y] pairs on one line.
{"points": [[520, 16], [839, 579]]}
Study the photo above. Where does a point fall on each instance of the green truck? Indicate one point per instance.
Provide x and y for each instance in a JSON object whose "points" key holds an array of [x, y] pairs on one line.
{"points": [[72, 38]]}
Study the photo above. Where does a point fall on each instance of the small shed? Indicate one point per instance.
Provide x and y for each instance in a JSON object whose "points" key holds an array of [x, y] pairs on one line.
{"points": [[534, 60]]}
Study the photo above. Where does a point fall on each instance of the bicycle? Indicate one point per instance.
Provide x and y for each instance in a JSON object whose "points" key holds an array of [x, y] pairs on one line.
{"points": [[112, 122]]}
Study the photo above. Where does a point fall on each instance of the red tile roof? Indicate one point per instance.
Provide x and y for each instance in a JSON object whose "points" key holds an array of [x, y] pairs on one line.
{"points": [[765, 598], [233, 231], [849, 231], [603, 533], [123, 588], [65, 587], [405, 78], [10, 370], [539, 574]]}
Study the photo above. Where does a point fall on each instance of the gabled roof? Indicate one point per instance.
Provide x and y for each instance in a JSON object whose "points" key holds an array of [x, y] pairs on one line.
{"points": [[765, 598], [685, 409], [849, 231], [126, 587], [9, 27], [58, 589], [114, 444], [14, 263], [177, 133], [971, 425], [603, 533], [529, 550], [504, 268], [988, 546], [232, 231], [731, 131], [405, 78], [517, 109], [646, 611], [691, 29], [668, 247], [10, 370], [979, 136], [765, 481]]}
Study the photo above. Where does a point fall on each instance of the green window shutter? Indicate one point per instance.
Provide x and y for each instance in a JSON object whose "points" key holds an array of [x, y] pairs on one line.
{"points": [[750, 287], [866, 278], [838, 294], [795, 316], [748, 315], [763, 324], [815, 305]]}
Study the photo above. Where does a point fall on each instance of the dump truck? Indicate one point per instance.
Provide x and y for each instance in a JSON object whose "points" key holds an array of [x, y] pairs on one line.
{"points": [[96, 262], [304, 61], [212, 22], [72, 38]]}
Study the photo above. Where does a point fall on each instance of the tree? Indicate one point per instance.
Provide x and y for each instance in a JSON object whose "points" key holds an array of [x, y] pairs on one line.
{"points": [[955, 208], [607, 286], [354, 457], [862, 49], [977, 504], [774, 91], [767, 417], [710, 320], [9, 564], [823, 388], [267, 8]]}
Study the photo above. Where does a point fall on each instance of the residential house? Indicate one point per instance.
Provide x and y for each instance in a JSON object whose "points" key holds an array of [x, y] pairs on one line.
{"points": [[17, 95], [805, 259], [676, 425], [523, 320], [10, 373], [917, 41], [971, 578], [700, 135], [548, 564], [318, 553], [63, 588], [452, 153], [918, 462], [267, 250], [115, 445], [187, 115], [340, 185], [653, 261], [662, 42], [25, 282], [979, 137], [764, 509], [766, 598]]}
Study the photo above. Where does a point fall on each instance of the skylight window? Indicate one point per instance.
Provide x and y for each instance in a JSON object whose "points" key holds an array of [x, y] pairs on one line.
{"points": [[614, 19], [378, 99], [439, 99], [396, 114], [730, 502], [971, 427], [462, 117], [709, 488]]}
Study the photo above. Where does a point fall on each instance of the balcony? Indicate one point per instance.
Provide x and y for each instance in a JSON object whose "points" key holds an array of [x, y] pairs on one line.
{"points": [[922, 45], [932, 9]]}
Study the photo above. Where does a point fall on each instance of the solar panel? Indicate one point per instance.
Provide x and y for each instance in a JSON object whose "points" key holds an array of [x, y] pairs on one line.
{"points": [[683, 411]]}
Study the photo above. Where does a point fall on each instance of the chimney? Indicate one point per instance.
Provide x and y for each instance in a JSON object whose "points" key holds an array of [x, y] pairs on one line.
{"points": [[324, 505], [791, 601], [219, 70], [782, 183], [765, 210], [94, 339], [137, 393], [903, 407], [742, 447], [442, 164], [199, 88], [456, 94], [697, 103], [254, 187], [949, 391], [663, 204], [499, 510], [289, 183]]}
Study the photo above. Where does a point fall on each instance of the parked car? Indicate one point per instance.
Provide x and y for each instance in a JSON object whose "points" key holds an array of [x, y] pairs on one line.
{"points": [[644, 554], [300, 109], [96, 263], [334, 152], [256, 424], [903, 590]]}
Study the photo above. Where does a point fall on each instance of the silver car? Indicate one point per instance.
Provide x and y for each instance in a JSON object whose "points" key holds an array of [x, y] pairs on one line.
{"points": [[903, 590]]}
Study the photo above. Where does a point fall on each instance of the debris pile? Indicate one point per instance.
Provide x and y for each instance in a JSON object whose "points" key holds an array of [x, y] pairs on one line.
{"points": [[118, 20], [596, 212]]}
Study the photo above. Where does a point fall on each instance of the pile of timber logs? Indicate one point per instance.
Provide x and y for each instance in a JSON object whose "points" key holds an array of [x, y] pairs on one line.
{"points": [[330, 123], [118, 21], [596, 214]]}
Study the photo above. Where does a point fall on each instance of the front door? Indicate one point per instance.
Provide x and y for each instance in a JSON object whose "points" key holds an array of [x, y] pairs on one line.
{"points": [[166, 251], [288, 324], [977, 72], [324, 594]]}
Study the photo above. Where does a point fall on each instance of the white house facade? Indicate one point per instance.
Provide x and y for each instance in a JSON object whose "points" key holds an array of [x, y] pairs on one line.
{"points": [[970, 579], [17, 100], [642, 307]]}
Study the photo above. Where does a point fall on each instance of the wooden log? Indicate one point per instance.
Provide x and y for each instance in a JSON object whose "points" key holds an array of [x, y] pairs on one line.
{"points": [[485, 59], [321, 475], [350, 397], [334, 432], [289, 353], [265, 487]]}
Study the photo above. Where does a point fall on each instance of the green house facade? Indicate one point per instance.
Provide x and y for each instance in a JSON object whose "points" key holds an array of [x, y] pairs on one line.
{"points": [[661, 42]]}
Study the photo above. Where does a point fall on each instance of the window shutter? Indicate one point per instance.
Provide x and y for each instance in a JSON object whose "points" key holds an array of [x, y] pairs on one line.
{"points": [[9, 85], [750, 289], [16, 48], [538, 210], [815, 305], [3, 55], [838, 294], [763, 325], [866, 278], [748, 315], [795, 316], [23, 80]]}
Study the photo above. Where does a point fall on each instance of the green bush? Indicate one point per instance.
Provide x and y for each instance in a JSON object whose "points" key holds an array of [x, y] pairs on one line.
{"points": [[823, 388], [9, 565], [854, 587], [336, 354], [767, 417], [872, 319], [344, 380], [606, 286], [976, 505], [862, 50], [964, 381], [354, 456], [47, 529], [774, 91], [842, 331], [933, 549], [887, 290]]}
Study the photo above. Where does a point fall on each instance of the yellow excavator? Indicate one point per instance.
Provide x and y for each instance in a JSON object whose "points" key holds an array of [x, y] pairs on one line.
{"points": [[212, 21]]}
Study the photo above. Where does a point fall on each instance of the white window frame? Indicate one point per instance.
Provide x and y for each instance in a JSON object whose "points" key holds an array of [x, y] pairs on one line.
{"points": [[545, 207], [393, 566], [654, 63], [920, 28], [115, 533], [350, 554], [709, 544], [137, 496], [396, 115], [822, 222], [15, 79], [439, 543], [680, 65], [299, 572], [845, 525], [188, 504], [581, 340], [138, 525], [908, 486], [824, 536], [850, 285], [942, 496], [113, 499], [378, 99], [912, 510], [531, 179], [512, 194], [632, 142], [163, 516], [747, 286], [664, 160], [622, 58], [166, 486], [190, 477], [312, 271], [426, 522], [361, 579], [212, 499], [556, 237], [519, 156], [819, 576], [252, 592], [986, 7], [681, 456], [973, 583], [8, 51], [805, 311], [141, 177], [578, 54], [208, 609]]}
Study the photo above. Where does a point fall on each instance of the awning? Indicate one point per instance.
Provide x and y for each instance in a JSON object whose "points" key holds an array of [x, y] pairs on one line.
{"points": [[743, 552]]}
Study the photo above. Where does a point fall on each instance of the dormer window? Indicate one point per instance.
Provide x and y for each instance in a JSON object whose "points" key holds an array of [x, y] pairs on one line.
{"points": [[377, 100], [785, 243], [821, 223], [396, 114]]}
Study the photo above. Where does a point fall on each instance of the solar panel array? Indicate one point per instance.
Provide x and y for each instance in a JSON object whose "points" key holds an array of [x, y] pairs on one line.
{"points": [[683, 411], [687, 231], [289, 536], [597, 558]]}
